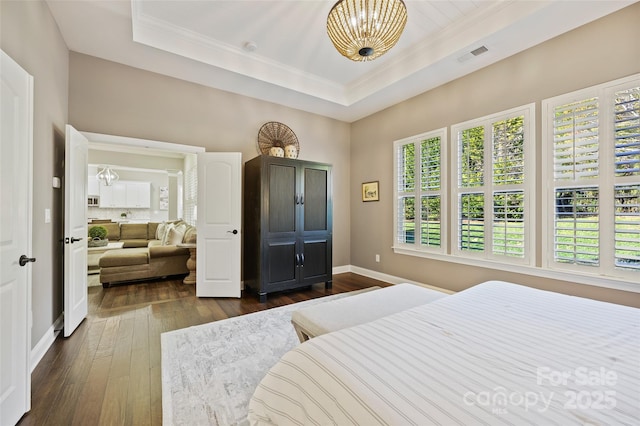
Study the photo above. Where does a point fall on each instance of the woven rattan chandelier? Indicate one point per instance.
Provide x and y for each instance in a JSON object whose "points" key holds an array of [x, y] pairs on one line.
{"points": [[362, 30]]}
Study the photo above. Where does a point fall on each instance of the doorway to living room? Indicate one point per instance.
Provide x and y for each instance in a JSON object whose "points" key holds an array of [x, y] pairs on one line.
{"points": [[162, 177]]}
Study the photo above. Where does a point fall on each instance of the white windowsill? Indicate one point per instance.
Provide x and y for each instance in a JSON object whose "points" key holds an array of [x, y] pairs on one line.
{"points": [[617, 284]]}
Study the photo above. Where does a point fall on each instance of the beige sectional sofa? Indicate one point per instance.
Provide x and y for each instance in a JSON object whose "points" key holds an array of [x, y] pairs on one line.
{"points": [[150, 251]]}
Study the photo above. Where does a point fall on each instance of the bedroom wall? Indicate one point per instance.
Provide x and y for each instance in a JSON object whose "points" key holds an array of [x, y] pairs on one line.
{"points": [[106, 97], [589, 55], [31, 37]]}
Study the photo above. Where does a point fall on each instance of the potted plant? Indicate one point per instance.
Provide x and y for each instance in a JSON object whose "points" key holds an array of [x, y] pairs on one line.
{"points": [[98, 236]]}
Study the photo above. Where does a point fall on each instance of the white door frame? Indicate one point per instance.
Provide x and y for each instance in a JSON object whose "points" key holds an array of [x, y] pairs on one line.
{"points": [[100, 140]]}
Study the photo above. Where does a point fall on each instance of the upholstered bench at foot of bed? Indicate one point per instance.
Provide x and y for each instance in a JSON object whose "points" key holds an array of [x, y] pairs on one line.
{"points": [[358, 309]]}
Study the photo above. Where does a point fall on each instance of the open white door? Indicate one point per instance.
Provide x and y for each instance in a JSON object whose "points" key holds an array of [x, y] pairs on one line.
{"points": [[75, 229], [218, 223], [16, 142]]}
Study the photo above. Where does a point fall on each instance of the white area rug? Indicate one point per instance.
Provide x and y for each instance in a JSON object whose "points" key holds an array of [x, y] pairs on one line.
{"points": [[210, 371]]}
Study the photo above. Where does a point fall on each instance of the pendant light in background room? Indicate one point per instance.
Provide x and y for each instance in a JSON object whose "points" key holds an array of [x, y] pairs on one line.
{"points": [[107, 176]]}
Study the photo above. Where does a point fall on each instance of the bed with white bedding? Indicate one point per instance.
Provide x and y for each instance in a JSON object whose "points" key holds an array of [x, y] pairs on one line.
{"points": [[495, 354]]}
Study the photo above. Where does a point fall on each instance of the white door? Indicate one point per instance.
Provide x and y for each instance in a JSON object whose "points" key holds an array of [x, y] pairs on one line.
{"points": [[218, 224], [16, 143], [75, 229]]}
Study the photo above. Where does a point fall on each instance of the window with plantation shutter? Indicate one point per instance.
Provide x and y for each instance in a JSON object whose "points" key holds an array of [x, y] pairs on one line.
{"points": [[190, 189], [494, 176], [627, 132], [591, 161], [419, 192]]}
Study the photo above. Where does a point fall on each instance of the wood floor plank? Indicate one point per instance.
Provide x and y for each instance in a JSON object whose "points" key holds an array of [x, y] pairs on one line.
{"points": [[89, 404], [114, 404], [108, 337], [139, 401], [121, 363], [109, 371]]}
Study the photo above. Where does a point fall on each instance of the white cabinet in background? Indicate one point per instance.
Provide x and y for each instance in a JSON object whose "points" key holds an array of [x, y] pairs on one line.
{"points": [[114, 195], [139, 195], [93, 188], [122, 194]]}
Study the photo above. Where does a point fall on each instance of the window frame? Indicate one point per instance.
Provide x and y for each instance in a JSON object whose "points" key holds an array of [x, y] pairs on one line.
{"points": [[606, 182], [489, 188], [417, 246]]}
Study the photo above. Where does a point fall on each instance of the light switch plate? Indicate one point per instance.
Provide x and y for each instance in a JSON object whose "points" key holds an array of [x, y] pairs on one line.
{"points": [[47, 215]]}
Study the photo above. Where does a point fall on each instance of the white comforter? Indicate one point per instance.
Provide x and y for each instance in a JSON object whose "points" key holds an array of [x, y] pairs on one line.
{"points": [[495, 354]]}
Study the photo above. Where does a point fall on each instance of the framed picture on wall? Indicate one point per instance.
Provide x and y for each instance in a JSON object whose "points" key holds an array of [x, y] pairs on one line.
{"points": [[370, 191], [164, 198]]}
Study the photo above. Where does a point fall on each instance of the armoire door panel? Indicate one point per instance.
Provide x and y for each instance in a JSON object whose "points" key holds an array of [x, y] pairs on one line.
{"points": [[282, 198], [315, 258], [315, 199], [281, 261]]}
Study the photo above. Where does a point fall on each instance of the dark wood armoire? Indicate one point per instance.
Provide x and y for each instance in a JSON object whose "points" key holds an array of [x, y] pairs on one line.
{"points": [[287, 224]]}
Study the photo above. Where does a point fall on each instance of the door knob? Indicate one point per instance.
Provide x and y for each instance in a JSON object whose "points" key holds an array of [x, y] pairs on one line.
{"points": [[24, 260], [235, 231], [73, 240]]}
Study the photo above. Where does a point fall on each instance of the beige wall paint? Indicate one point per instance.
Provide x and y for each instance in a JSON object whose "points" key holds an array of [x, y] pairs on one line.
{"points": [[109, 98], [586, 56], [31, 37]]}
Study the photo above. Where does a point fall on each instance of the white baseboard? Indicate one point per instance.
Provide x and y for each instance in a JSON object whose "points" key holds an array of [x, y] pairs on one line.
{"points": [[341, 269], [387, 278], [41, 348]]}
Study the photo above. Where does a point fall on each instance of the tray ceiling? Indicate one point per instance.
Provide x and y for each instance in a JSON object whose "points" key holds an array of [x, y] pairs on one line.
{"points": [[278, 51]]}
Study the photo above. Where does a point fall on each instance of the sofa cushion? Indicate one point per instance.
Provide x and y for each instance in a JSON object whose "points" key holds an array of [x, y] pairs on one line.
{"points": [[135, 243], [133, 231], [157, 251], [151, 230], [124, 257], [113, 230]]}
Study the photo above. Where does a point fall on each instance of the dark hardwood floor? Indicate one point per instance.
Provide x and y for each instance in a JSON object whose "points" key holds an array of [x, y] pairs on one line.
{"points": [[108, 371]]}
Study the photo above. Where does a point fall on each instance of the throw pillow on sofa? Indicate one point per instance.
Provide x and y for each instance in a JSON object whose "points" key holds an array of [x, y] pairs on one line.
{"points": [[160, 230], [165, 235], [176, 234]]}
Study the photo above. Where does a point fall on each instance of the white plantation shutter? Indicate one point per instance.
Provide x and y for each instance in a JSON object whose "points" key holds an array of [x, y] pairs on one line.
{"points": [[575, 160], [595, 183], [471, 222], [494, 162], [406, 178], [508, 152], [190, 189], [627, 227], [576, 226], [508, 223], [430, 197], [419, 192], [627, 132], [575, 140]]}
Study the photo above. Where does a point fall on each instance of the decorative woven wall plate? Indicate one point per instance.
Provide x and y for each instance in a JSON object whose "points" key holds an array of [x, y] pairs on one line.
{"points": [[274, 134]]}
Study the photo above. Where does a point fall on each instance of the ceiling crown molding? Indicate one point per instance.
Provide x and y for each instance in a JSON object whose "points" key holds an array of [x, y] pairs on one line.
{"points": [[163, 35]]}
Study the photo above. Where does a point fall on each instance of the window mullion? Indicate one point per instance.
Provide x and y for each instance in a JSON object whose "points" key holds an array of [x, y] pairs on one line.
{"points": [[606, 182], [417, 229], [487, 188]]}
